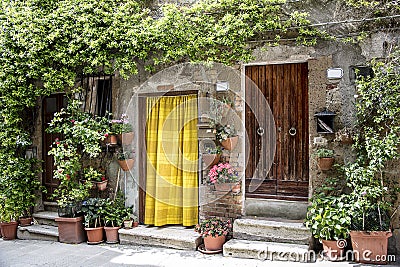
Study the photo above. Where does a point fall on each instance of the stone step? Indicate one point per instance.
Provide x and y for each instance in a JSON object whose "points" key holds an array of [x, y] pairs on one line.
{"points": [[38, 232], [269, 230], [285, 209], [170, 237], [268, 251], [46, 217], [50, 206]]}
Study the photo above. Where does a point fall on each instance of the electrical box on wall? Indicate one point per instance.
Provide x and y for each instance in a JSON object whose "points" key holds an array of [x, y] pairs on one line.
{"points": [[325, 121]]}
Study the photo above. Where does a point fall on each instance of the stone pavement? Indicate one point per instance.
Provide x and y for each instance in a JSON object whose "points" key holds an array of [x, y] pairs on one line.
{"points": [[47, 253]]}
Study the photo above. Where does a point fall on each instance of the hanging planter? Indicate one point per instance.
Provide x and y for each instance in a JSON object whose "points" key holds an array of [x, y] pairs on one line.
{"points": [[126, 138], [210, 159], [325, 164], [230, 143], [126, 164]]}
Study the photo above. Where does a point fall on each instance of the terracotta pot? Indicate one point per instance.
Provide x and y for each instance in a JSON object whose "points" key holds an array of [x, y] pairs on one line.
{"points": [[214, 243], [230, 143], [128, 224], [225, 187], [9, 230], [126, 165], [370, 247], [112, 236], [95, 235], [102, 185], [25, 221], [325, 164], [70, 230], [112, 139], [332, 251], [126, 138], [135, 224], [210, 159]]}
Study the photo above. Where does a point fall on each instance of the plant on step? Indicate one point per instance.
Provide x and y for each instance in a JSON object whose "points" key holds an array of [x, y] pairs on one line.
{"points": [[81, 135], [213, 227], [115, 211], [327, 216], [94, 210]]}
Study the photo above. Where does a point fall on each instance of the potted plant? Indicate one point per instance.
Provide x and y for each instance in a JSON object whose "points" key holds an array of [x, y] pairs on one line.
{"points": [[226, 135], [125, 160], [129, 218], [214, 232], [325, 158], [123, 130], [93, 210], [82, 135], [97, 177], [211, 156], [114, 213], [328, 219], [8, 222], [223, 177]]}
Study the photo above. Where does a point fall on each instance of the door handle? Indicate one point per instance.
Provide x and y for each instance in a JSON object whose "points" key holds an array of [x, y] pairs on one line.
{"points": [[260, 131], [292, 131]]}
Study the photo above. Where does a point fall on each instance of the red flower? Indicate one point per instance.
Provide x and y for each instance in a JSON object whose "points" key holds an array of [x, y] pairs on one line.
{"points": [[103, 178], [73, 121], [68, 177], [106, 134]]}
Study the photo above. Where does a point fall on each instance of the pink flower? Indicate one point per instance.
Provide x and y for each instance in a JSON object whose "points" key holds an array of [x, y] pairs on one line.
{"points": [[106, 134]]}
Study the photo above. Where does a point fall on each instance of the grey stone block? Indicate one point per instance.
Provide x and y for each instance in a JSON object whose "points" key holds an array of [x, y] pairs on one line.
{"points": [[46, 217], [291, 210], [38, 232], [169, 237], [267, 251], [271, 231]]}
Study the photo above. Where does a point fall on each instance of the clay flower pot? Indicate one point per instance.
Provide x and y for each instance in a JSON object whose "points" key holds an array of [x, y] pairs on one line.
{"points": [[25, 221], [127, 164], [9, 230], [102, 185], [112, 236], [332, 250], [224, 187], [230, 143], [70, 230], [368, 247], [214, 243], [325, 164], [95, 235], [210, 159]]}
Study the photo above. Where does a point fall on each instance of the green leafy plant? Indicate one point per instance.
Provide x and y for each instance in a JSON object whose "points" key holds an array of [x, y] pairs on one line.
{"points": [[92, 174], [223, 132], [213, 150], [327, 216], [121, 125], [94, 210], [324, 153], [115, 211], [213, 227]]}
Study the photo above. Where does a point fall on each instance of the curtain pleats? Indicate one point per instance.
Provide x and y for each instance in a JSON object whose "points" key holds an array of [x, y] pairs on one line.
{"points": [[172, 155]]}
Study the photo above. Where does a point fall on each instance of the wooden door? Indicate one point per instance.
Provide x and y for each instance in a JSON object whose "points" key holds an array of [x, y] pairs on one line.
{"points": [[51, 105], [282, 169]]}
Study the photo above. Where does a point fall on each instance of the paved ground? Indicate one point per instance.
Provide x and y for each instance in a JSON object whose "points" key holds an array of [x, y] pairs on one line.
{"points": [[44, 253]]}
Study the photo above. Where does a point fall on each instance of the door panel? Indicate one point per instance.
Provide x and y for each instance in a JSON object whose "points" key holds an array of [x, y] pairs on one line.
{"points": [[285, 88], [51, 104]]}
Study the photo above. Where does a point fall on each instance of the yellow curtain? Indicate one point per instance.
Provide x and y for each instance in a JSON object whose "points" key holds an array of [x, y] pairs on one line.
{"points": [[172, 154]]}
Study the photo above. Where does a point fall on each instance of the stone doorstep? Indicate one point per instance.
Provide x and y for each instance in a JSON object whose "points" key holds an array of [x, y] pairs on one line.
{"points": [[267, 251], [271, 231], [46, 217], [38, 232], [169, 237]]}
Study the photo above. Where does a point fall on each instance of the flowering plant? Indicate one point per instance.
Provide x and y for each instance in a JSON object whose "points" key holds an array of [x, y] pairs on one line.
{"points": [[222, 173], [213, 227], [213, 150], [92, 174], [223, 132], [121, 126]]}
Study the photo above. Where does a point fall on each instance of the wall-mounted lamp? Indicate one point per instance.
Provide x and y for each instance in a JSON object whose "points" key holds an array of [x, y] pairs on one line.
{"points": [[334, 73], [221, 86], [31, 153]]}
